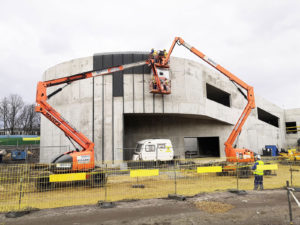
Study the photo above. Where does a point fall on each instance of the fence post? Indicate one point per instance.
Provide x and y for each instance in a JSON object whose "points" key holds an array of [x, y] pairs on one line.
{"points": [[289, 201], [237, 175], [175, 178], [20, 195], [105, 185], [291, 170]]}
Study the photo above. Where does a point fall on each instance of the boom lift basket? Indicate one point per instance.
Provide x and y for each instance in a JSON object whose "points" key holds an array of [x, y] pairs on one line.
{"points": [[160, 82]]}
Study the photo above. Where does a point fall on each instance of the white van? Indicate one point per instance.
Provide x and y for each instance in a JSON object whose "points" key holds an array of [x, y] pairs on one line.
{"points": [[154, 150]]}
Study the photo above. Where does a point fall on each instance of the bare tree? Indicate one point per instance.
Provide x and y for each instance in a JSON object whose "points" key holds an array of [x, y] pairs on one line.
{"points": [[15, 105], [14, 114], [4, 113], [29, 119]]}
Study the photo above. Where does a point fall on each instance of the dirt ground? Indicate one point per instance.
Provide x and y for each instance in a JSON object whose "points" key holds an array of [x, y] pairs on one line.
{"points": [[268, 207]]}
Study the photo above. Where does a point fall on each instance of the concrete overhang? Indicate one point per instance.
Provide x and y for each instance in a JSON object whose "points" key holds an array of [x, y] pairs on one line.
{"points": [[190, 116]]}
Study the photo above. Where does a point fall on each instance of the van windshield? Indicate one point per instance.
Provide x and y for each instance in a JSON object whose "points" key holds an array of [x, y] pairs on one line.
{"points": [[138, 147]]}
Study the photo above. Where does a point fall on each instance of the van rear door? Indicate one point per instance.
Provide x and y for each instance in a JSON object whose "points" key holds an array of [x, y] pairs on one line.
{"points": [[164, 152]]}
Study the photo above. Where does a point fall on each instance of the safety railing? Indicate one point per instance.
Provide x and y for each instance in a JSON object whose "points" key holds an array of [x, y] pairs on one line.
{"points": [[48, 186]]}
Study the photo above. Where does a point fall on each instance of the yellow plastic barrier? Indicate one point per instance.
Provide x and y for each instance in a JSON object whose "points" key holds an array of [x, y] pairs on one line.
{"points": [[144, 173], [209, 169], [268, 167], [67, 177]]}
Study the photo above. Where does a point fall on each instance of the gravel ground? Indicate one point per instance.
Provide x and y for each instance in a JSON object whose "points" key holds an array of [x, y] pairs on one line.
{"points": [[269, 207]]}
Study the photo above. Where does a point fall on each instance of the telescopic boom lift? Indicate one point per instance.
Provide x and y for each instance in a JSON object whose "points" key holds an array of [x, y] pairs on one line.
{"points": [[233, 154], [81, 159]]}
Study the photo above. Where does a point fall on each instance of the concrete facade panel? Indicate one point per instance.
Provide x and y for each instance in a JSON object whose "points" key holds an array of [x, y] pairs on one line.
{"points": [[108, 118], [128, 93], [148, 97], [138, 93]]}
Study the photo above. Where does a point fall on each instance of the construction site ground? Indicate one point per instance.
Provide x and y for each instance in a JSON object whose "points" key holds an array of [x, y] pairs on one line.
{"points": [[268, 207]]}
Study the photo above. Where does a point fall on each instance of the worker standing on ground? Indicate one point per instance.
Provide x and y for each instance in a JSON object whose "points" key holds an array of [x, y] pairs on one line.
{"points": [[259, 173]]}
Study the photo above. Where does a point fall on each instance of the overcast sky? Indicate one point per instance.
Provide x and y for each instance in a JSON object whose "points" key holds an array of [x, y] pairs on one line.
{"points": [[258, 41]]}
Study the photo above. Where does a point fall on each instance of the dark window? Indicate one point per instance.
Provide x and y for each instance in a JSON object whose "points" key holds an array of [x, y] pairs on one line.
{"points": [[139, 147], [267, 117], [150, 148], [217, 95], [160, 146], [291, 127]]}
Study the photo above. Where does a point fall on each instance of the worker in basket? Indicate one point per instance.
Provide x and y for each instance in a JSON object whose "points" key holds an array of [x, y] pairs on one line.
{"points": [[154, 84], [165, 53], [258, 173], [153, 55], [161, 55], [166, 85]]}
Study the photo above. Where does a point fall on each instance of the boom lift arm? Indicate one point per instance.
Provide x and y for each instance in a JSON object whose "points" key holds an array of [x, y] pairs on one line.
{"points": [[233, 154], [80, 159]]}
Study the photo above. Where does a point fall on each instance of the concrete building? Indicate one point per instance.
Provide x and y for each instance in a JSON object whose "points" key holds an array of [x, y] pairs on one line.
{"points": [[115, 111]]}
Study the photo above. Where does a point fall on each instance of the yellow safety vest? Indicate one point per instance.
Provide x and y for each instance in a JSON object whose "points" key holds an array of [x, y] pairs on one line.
{"points": [[259, 170]]}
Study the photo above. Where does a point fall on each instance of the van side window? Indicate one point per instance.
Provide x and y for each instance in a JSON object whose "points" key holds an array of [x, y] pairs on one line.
{"points": [[150, 148], [160, 146]]}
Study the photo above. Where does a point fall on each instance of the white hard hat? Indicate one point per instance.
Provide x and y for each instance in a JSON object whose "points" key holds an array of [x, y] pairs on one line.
{"points": [[258, 157]]}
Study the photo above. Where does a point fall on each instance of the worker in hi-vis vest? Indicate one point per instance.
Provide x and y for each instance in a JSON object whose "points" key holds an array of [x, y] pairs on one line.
{"points": [[259, 173]]}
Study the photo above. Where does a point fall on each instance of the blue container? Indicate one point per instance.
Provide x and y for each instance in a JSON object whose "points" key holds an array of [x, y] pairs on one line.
{"points": [[18, 155], [273, 149]]}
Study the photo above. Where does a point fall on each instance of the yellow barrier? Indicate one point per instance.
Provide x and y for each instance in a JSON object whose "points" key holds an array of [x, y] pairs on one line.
{"points": [[67, 177], [144, 173], [209, 169], [268, 167]]}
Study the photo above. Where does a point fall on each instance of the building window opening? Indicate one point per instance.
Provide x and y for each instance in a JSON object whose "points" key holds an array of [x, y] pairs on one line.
{"points": [[201, 147], [291, 127], [267, 117], [217, 95]]}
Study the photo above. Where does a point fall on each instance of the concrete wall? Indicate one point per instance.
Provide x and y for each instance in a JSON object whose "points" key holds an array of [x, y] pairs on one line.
{"points": [[190, 112], [292, 115]]}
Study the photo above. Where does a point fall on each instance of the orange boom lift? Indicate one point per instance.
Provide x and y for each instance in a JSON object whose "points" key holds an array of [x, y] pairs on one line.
{"points": [[233, 154], [83, 159], [79, 160]]}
